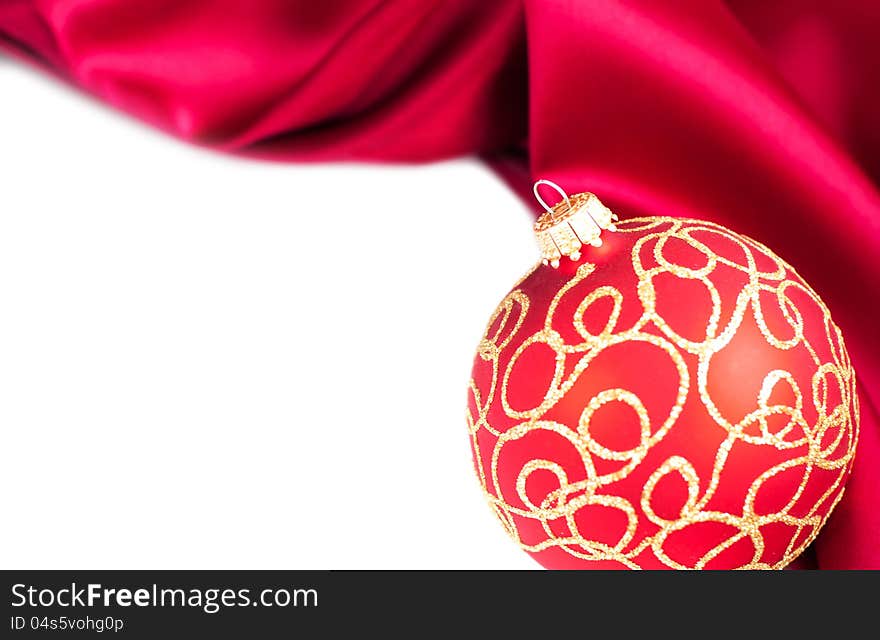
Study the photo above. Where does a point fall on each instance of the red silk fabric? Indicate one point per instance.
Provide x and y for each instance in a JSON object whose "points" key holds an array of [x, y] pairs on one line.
{"points": [[761, 116]]}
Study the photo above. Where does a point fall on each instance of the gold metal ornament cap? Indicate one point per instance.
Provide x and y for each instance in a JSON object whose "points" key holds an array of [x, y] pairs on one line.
{"points": [[573, 222]]}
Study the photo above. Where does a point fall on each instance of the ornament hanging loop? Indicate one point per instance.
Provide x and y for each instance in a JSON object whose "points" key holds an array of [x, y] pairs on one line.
{"points": [[555, 187], [573, 222]]}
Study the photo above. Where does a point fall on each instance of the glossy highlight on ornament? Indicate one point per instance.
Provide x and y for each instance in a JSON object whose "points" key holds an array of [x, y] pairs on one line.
{"points": [[683, 401]]}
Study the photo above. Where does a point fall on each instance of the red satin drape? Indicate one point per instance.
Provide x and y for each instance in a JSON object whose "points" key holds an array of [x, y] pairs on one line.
{"points": [[762, 116]]}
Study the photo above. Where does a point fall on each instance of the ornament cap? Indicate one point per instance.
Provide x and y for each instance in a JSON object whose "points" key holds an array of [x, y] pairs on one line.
{"points": [[570, 224]]}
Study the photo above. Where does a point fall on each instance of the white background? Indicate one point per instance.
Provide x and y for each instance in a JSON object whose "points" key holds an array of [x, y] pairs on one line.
{"points": [[190, 377]]}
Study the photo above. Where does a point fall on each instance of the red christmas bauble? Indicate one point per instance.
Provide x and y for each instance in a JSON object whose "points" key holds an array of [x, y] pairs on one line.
{"points": [[675, 398]]}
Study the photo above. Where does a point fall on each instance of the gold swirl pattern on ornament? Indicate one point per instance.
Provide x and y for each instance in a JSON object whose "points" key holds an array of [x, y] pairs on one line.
{"points": [[564, 502]]}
